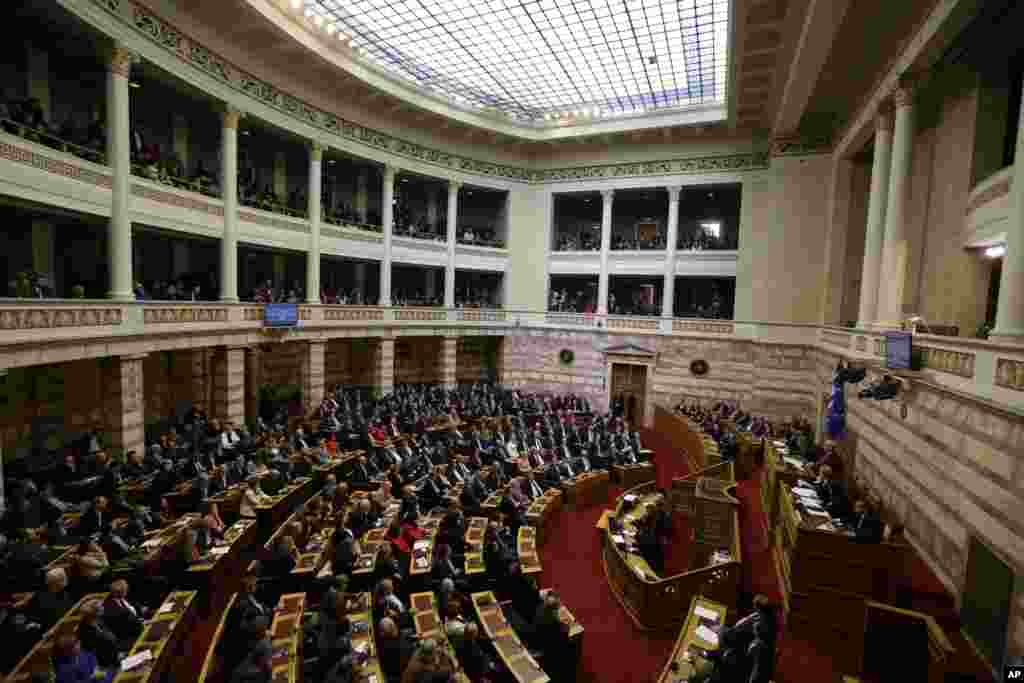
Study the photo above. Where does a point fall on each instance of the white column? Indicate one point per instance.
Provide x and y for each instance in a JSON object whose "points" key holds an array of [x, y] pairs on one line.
{"points": [[119, 158], [606, 242], [315, 212], [877, 201], [1010, 311], [452, 225], [359, 200], [895, 249], [229, 193], [387, 213], [668, 291]]}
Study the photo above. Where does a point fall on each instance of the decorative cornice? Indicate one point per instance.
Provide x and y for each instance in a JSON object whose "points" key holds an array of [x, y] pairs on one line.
{"points": [[29, 157], [121, 61], [175, 199], [160, 32], [27, 318], [756, 161], [794, 147], [992, 193]]}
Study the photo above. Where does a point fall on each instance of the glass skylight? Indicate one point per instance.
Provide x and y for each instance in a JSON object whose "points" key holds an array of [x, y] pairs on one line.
{"points": [[544, 59]]}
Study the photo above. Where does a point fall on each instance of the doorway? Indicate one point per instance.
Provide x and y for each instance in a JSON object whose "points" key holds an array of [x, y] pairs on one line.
{"points": [[628, 391]]}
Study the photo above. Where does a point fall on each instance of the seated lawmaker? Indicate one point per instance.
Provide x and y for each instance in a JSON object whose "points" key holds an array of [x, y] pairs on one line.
{"points": [[97, 638], [252, 497], [394, 650], [48, 606], [257, 667], [831, 492], [864, 525], [124, 618], [283, 557]]}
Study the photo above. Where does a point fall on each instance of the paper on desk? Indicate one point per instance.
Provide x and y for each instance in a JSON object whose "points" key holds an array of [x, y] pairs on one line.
{"points": [[361, 646], [704, 612], [165, 608], [421, 544], [827, 526], [220, 550], [817, 512], [707, 635], [629, 498], [805, 491], [136, 660], [618, 539], [421, 562], [792, 461]]}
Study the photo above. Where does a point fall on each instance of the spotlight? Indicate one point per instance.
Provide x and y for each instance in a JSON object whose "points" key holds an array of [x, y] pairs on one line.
{"points": [[997, 251]]}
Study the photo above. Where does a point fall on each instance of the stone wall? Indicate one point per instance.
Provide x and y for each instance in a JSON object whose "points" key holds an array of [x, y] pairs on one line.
{"points": [[417, 360], [476, 358], [769, 379], [282, 363], [951, 469]]}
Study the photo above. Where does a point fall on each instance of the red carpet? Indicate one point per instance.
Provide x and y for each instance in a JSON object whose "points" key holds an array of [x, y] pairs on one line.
{"points": [[614, 650]]}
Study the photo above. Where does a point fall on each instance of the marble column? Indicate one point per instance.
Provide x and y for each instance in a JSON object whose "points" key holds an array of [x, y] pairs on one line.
{"points": [[895, 246], [607, 197], [387, 215], [452, 239], [668, 290], [313, 375], [875, 232], [253, 380], [1009, 325], [125, 403], [315, 214], [229, 384], [449, 358], [229, 194], [181, 134], [119, 159], [280, 185], [360, 199], [385, 370]]}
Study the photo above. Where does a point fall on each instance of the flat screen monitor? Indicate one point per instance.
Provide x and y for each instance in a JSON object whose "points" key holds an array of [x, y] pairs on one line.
{"points": [[897, 350], [281, 315]]}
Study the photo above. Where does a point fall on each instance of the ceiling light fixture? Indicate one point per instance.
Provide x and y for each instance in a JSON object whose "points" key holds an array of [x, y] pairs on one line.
{"points": [[997, 251]]}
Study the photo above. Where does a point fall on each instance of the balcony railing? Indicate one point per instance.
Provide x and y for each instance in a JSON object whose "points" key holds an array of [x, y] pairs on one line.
{"points": [[200, 185], [95, 154], [40, 331]]}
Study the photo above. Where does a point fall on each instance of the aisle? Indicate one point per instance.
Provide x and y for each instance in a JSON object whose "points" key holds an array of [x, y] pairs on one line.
{"points": [[614, 650]]}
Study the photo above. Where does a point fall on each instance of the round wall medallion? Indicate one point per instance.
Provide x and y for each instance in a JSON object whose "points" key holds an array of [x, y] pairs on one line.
{"points": [[699, 367], [566, 356]]}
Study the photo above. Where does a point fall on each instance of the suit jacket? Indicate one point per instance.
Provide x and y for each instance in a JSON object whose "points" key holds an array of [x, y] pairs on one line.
{"points": [[122, 621], [867, 528], [93, 522], [360, 474], [101, 641], [78, 669], [47, 607]]}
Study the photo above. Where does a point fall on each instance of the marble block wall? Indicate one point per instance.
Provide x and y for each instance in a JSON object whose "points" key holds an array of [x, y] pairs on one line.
{"points": [[384, 367], [476, 358], [775, 380], [418, 360], [951, 469], [123, 399], [282, 363], [312, 374], [229, 385], [449, 348]]}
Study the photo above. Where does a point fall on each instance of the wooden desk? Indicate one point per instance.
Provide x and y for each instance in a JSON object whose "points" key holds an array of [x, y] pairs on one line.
{"points": [[421, 559], [658, 602], [682, 656], [629, 476], [236, 537], [526, 545], [162, 637], [542, 510], [359, 609], [38, 658], [286, 638], [511, 650], [280, 506], [587, 489], [428, 624], [211, 661], [476, 529]]}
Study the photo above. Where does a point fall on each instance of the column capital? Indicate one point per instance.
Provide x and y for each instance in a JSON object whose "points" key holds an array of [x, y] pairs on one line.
{"points": [[903, 93], [389, 171], [230, 117], [121, 60], [673, 192], [316, 150], [607, 195], [883, 118], [454, 185]]}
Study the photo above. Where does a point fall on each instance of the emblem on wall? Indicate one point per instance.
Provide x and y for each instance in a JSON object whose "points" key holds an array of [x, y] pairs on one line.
{"points": [[699, 367], [566, 356]]}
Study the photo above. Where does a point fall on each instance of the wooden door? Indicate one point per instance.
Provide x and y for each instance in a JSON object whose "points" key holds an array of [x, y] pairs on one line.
{"points": [[630, 383]]}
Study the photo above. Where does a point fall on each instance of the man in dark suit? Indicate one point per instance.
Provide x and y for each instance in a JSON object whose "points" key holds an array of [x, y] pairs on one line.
{"points": [[96, 637], [257, 667], [361, 472], [95, 520], [122, 617], [48, 606], [650, 547], [864, 525], [551, 635], [395, 650]]}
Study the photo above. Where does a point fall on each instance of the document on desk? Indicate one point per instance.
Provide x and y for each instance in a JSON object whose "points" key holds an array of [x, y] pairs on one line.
{"points": [[818, 512], [618, 539], [220, 550], [165, 608], [805, 491], [793, 461], [705, 613], [707, 635], [136, 660], [421, 544]]}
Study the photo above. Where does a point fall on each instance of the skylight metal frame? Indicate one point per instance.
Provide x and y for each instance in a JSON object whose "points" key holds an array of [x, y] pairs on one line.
{"points": [[543, 61]]}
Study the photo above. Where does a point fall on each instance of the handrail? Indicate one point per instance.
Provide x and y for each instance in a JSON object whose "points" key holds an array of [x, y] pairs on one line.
{"points": [[936, 636], [163, 178], [97, 156]]}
